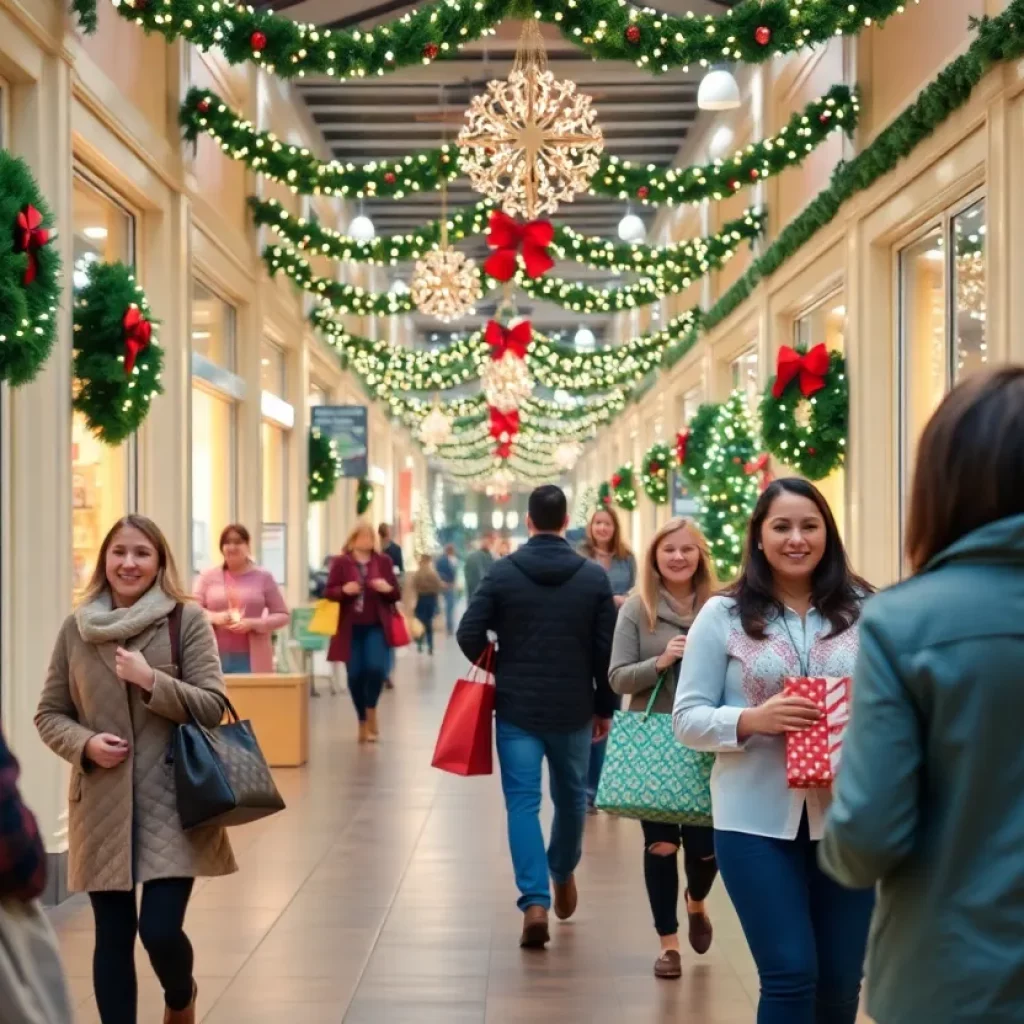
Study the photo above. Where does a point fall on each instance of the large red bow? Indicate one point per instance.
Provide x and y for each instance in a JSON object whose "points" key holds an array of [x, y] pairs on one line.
{"points": [[510, 238], [503, 450], [29, 237], [763, 465], [503, 339], [138, 332], [811, 368], [682, 440], [504, 425]]}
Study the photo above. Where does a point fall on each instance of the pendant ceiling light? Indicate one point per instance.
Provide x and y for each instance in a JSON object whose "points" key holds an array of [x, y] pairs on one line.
{"points": [[718, 91], [362, 229], [585, 340], [631, 228]]}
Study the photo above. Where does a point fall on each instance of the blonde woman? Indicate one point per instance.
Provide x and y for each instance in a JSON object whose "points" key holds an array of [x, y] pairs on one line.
{"points": [[112, 698], [677, 577]]}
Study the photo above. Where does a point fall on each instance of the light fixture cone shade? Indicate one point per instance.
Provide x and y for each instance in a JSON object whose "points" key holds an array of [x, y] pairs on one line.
{"points": [[718, 91], [399, 287], [362, 229], [585, 339], [631, 228]]}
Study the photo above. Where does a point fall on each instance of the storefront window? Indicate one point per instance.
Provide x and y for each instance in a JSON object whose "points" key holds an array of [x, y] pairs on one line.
{"points": [[102, 477], [743, 373], [969, 293], [215, 393], [278, 417], [317, 539]]}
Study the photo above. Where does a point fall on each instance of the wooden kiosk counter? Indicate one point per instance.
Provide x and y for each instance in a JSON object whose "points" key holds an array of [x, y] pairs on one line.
{"points": [[277, 704]]}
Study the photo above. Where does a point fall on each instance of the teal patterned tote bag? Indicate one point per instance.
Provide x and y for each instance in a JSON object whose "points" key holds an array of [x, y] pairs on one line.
{"points": [[649, 774]]}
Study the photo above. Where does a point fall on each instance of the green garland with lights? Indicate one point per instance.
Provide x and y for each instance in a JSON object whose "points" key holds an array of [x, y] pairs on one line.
{"points": [[624, 487], [28, 307], [113, 388], [809, 434], [605, 495], [728, 493], [324, 466], [654, 472], [698, 443], [364, 496]]}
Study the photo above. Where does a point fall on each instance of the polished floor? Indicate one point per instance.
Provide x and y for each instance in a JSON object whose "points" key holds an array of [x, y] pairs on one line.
{"points": [[384, 895]]}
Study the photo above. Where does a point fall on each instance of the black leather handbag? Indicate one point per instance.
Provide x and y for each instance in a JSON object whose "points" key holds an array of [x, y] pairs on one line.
{"points": [[220, 774]]}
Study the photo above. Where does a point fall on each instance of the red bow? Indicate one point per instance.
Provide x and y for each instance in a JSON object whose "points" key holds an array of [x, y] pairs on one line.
{"points": [[682, 440], [504, 424], [138, 332], [810, 366], [616, 481], [763, 465], [510, 238], [502, 339], [503, 450], [30, 236]]}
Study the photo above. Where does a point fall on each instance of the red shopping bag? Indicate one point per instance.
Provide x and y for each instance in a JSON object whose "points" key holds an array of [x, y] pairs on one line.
{"points": [[812, 755], [464, 743], [398, 631]]}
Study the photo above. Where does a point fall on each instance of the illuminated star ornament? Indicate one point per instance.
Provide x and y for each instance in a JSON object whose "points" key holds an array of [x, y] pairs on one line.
{"points": [[531, 142]]}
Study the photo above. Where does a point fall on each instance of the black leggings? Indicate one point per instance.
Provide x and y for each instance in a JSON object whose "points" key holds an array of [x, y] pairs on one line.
{"points": [[159, 924], [661, 873]]}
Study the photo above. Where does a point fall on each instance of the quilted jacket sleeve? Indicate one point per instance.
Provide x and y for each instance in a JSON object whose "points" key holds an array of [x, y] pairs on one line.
{"points": [[200, 692], [57, 717]]}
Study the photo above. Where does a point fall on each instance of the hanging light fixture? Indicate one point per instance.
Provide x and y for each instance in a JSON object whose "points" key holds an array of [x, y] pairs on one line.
{"points": [[436, 428], [566, 455], [361, 228], [399, 287], [585, 340], [632, 228], [718, 91]]}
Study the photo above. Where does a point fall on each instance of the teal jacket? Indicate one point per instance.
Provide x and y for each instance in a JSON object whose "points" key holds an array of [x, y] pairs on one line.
{"points": [[929, 800]]}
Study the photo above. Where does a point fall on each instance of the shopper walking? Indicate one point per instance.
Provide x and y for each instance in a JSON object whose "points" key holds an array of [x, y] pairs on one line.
{"points": [[392, 550], [929, 799], [478, 563], [793, 611], [427, 586], [363, 582], [243, 603], [677, 578], [553, 614], [605, 545], [448, 569], [111, 700]]}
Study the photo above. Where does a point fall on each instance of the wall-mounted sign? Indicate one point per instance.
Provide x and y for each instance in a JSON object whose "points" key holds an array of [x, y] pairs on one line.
{"points": [[274, 551], [683, 502], [349, 427]]}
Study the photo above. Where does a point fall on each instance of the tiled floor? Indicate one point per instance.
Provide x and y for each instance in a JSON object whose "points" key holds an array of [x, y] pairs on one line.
{"points": [[384, 895]]}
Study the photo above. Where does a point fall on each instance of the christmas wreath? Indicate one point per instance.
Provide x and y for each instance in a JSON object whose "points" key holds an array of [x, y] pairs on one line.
{"points": [[117, 361], [624, 488], [805, 411], [692, 443], [604, 496], [654, 472], [29, 274], [324, 465], [364, 496]]}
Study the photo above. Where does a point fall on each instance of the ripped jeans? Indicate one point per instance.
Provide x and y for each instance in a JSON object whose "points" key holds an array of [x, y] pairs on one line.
{"points": [[661, 872]]}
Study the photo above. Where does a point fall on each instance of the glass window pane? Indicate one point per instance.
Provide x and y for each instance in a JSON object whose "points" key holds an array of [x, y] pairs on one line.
{"points": [[272, 370], [744, 377], [213, 327], [213, 462], [969, 292], [275, 454], [316, 526]]}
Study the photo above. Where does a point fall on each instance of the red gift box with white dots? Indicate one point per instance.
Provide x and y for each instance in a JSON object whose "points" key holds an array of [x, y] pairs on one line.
{"points": [[812, 755]]}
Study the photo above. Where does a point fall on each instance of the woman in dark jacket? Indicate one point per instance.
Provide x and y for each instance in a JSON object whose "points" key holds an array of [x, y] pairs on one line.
{"points": [[929, 799], [363, 582]]}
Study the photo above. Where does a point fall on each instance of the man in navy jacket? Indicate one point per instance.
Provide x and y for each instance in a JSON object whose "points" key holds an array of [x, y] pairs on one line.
{"points": [[554, 617]]}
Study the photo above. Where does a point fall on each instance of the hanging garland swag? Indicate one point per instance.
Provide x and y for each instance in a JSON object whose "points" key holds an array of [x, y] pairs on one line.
{"points": [[805, 411], [692, 444], [117, 361], [364, 496], [324, 465], [654, 472], [29, 274]]}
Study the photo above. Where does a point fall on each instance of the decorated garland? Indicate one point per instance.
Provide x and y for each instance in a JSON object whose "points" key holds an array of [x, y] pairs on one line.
{"points": [[805, 411], [693, 443], [203, 111], [324, 466], [29, 274], [364, 496], [605, 495], [117, 360], [624, 487], [654, 472]]}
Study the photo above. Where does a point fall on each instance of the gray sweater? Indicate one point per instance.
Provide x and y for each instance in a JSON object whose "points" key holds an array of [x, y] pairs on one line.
{"points": [[635, 650]]}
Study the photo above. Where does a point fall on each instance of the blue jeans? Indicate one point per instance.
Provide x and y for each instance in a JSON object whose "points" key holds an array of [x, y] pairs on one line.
{"points": [[367, 666], [807, 934], [520, 755], [451, 599], [597, 752], [236, 663]]}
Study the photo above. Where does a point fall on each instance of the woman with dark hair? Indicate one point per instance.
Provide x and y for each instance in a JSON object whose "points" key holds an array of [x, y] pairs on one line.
{"points": [[793, 611], [243, 603], [136, 659], [929, 800]]}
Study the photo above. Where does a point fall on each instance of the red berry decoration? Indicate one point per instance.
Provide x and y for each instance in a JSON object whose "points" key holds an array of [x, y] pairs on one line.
{"points": [[824, 117], [763, 35], [812, 451], [643, 192], [734, 184], [616, 480], [431, 50], [655, 466], [633, 34], [258, 41], [203, 105], [755, 173], [389, 178]]}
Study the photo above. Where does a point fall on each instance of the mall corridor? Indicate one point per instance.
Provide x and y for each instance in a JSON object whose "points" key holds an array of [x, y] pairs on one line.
{"points": [[384, 895]]}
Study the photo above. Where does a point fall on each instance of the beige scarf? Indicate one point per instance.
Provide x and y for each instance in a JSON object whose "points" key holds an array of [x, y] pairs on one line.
{"points": [[99, 622]]}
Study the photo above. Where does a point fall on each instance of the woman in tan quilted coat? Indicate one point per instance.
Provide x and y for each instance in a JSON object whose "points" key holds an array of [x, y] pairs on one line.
{"points": [[111, 701]]}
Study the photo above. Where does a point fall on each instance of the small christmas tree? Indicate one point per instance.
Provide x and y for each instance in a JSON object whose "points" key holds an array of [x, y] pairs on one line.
{"points": [[424, 537], [586, 503], [728, 492]]}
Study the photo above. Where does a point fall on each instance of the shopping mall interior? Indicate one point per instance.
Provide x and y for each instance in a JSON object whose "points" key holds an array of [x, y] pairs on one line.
{"points": [[300, 267]]}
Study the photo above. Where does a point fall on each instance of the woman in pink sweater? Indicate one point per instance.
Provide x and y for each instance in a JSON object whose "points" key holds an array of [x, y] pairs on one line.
{"points": [[243, 603]]}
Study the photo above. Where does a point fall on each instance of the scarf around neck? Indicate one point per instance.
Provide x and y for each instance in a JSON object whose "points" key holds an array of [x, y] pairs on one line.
{"points": [[100, 622]]}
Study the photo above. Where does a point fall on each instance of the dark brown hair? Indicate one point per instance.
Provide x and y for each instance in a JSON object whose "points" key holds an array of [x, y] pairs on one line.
{"points": [[225, 534], [835, 590], [970, 463]]}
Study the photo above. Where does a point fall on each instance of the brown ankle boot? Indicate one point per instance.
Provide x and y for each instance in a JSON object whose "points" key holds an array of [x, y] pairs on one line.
{"points": [[535, 928], [566, 898], [186, 1016], [372, 724]]}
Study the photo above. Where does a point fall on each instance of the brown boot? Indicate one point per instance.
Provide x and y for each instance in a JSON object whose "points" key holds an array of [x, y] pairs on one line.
{"points": [[535, 928], [371, 724], [186, 1016], [566, 898]]}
